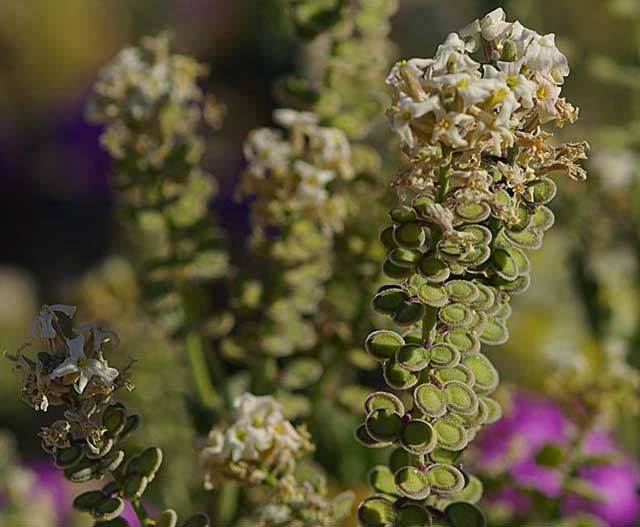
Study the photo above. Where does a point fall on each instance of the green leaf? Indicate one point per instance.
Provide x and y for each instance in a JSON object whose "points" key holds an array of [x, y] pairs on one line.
{"points": [[464, 514]]}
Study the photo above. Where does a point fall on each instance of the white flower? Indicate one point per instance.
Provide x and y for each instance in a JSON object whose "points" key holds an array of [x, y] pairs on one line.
{"points": [[311, 190], [265, 150], [243, 441], [442, 216], [287, 117], [406, 111], [42, 326], [494, 26], [451, 57], [546, 96], [416, 66], [334, 145], [448, 128], [100, 336], [543, 56], [509, 73], [88, 368]]}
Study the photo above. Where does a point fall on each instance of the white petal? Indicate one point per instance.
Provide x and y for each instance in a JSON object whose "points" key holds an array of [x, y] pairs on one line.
{"points": [[100, 369], [67, 367], [76, 347], [63, 308], [82, 381]]}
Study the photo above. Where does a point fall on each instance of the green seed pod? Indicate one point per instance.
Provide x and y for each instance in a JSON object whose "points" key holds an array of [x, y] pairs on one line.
{"points": [[383, 401], [434, 270], [472, 212], [363, 437], [381, 479], [80, 472], [412, 515], [130, 426], [383, 344], [504, 264], [301, 373], [421, 204], [451, 434], [494, 410], [509, 51], [168, 518], [449, 457], [394, 271], [444, 356], [485, 373], [87, 501], [199, 520], [460, 398], [466, 342], [430, 400], [107, 445], [108, 509], [68, 457], [464, 514], [472, 492], [111, 488], [458, 373], [409, 235], [494, 333], [405, 258], [413, 357], [455, 315], [542, 191], [386, 238], [412, 483], [481, 234], [387, 301], [445, 479], [377, 511], [403, 214], [149, 462], [542, 219], [110, 462], [527, 239], [115, 522], [384, 424], [397, 377], [401, 458], [409, 314], [114, 419], [433, 295], [134, 486], [462, 291], [418, 437]]}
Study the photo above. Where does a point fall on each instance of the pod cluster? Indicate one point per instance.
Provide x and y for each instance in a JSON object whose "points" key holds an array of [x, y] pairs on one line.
{"points": [[472, 201]]}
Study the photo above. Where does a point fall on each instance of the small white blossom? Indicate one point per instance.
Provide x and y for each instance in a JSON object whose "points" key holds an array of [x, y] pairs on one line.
{"points": [[42, 326], [509, 73], [452, 57], [449, 128], [546, 96], [493, 25], [287, 117], [311, 190], [79, 363], [543, 56], [406, 111]]}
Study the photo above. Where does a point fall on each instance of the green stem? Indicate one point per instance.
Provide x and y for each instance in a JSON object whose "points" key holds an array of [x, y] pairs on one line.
{"points": [[443, 183], [200, 369], [429, 323]]}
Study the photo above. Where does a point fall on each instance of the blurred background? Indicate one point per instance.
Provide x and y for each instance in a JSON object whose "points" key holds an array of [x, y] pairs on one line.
{"points": [[61, 241]]}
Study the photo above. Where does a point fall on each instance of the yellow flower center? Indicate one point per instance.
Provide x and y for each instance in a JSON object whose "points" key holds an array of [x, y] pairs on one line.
{"points": [[512, 81], [82, 362], [542, 92], [463, 83]]}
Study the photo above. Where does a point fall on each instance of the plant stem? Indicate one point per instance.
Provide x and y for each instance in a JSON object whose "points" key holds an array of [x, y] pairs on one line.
{"points": [[206, 391]]}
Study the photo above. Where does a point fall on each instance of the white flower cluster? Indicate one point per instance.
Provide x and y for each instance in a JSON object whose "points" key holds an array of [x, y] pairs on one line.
{"points": [[454, 102], [258, 443], [73, 357], [292, 172], [145, 84]]}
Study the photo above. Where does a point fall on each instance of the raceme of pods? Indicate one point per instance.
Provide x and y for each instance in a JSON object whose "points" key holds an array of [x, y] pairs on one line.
{"points": [[473, 199], [68, 369], [153, 111]]}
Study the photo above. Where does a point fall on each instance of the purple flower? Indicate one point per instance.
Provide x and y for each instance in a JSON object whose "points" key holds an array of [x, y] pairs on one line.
{"points": [[50, 483]]}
